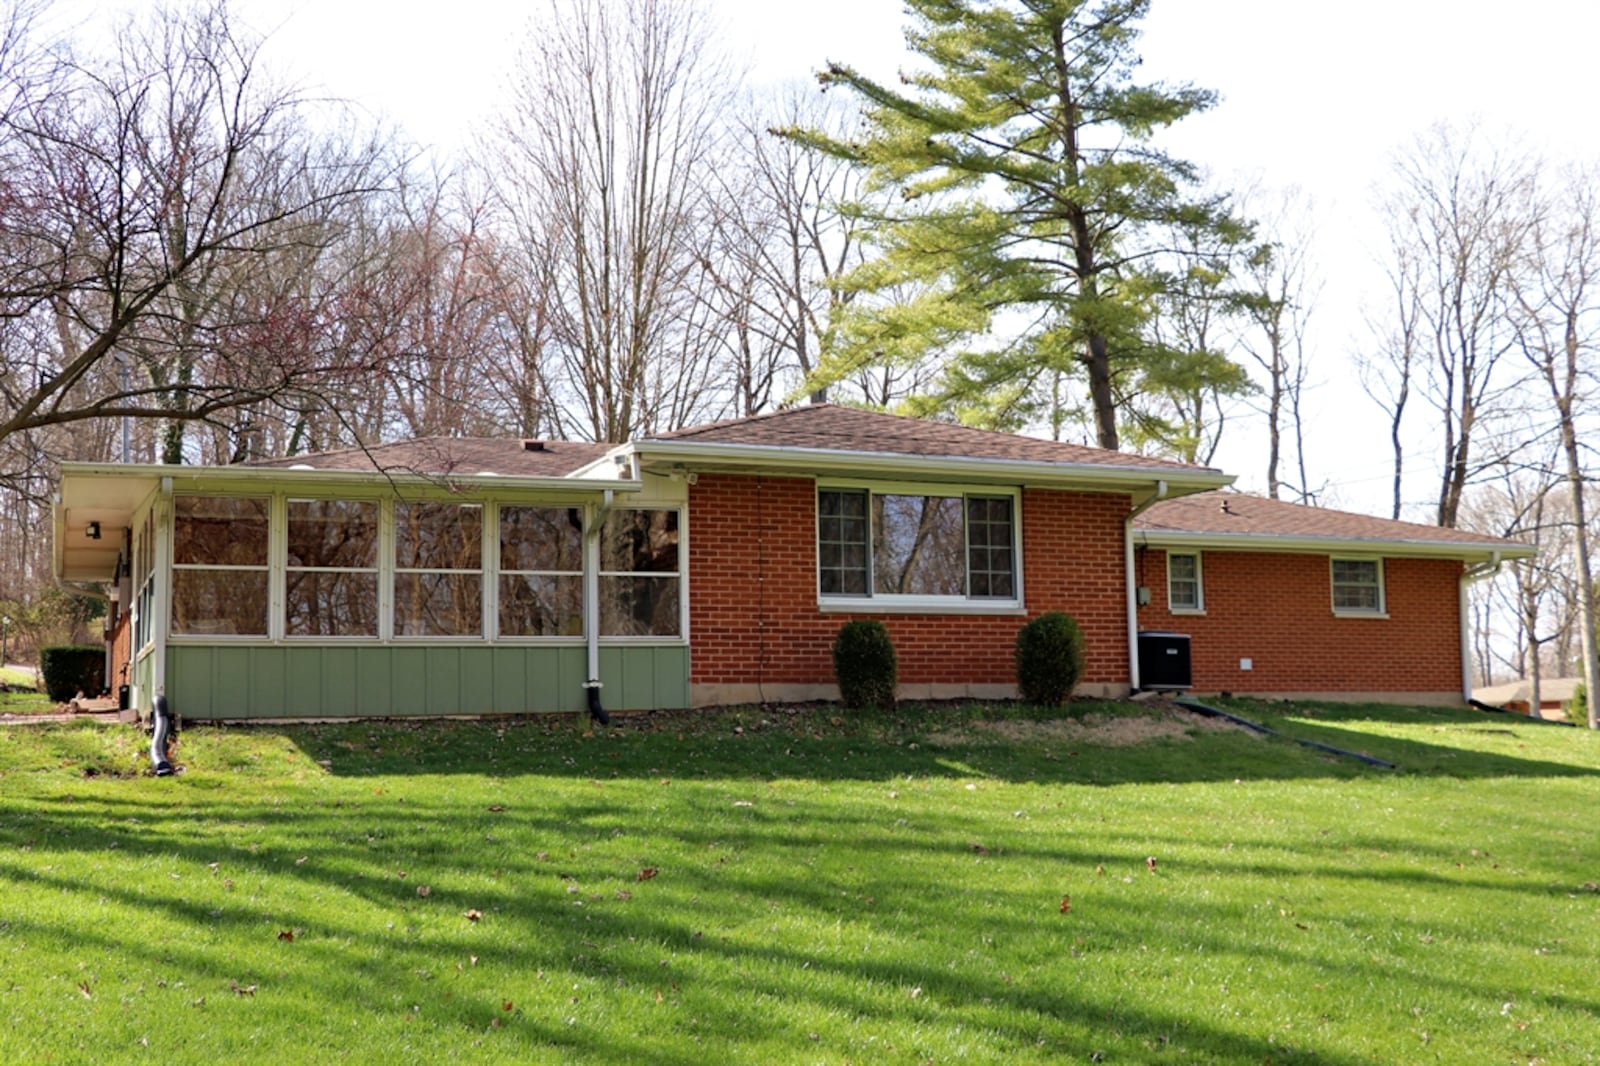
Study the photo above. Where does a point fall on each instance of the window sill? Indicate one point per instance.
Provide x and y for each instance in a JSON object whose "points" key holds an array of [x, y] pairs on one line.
{"points": [[1006, 608], [1190, 612], [1381, 616]]}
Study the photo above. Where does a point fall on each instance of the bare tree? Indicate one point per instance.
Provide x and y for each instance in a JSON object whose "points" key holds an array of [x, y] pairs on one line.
{"points": [[1281, 295], [1457, 221], [1558, 305], [608, 144], [134, 180]]}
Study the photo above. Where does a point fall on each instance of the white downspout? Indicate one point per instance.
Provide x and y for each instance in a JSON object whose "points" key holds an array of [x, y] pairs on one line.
{"points": [[1131, 583], [161, 599], [594, 517], [1469, 576]]}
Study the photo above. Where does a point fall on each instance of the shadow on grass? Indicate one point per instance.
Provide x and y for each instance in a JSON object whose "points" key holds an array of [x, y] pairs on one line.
{"points": [[765, 746]]}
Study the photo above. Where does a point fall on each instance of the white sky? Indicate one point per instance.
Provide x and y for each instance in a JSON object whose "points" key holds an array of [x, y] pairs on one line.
{"points": [[1315, 94]]}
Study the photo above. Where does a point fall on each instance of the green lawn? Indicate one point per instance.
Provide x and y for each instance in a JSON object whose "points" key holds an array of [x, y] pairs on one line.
{"points": [[18, 694], [948, 884]]}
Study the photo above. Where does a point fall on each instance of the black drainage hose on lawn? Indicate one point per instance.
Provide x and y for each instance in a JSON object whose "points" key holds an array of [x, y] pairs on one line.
{"points": [[1480, 705], [1213, 712], [161, 736], [597, 712]]}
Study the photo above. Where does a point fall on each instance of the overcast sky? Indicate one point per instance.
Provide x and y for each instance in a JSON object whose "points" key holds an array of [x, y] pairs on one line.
{"points": [[1314, 95]]}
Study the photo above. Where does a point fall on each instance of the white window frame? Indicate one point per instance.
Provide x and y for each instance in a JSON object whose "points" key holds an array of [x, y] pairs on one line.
{"points": [[282, 570], [681, 575], [500, 573], [269, 568], [391, 572], [892, 603], [1199, 605], [1382, 608]]}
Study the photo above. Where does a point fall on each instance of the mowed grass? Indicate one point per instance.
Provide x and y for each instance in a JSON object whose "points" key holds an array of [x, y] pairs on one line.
{"points": [[19, 693], [940, 885]]}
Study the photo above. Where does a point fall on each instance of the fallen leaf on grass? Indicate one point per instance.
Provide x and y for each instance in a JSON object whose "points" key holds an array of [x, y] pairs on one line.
{"points": [[497, 807], [979, 848], [647, 873], [624, 895], [301, 861], [1066, 904], [286, 934], [424, 891], [1151, 863], [241, 990], [1100, 871], [83, 989], [505, 1005], [1591, 886], [473, 915]]}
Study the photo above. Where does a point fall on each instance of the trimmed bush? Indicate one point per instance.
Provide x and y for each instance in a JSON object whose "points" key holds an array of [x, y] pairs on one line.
{"points": [[1578, 707], [864, 664], [1049, 658], [68, 669]]}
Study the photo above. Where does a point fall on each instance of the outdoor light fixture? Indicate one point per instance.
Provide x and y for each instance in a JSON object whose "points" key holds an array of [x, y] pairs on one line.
{"points": [[93, 531]]}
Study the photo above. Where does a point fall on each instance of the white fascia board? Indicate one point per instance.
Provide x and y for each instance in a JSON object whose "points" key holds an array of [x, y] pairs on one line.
{"points": [[1180, 481], [1278, 542], [200, 478]]}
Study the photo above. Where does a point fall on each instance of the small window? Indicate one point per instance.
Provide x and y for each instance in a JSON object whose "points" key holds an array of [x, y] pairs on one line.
{"points": [[438, 570], [1184, 591], [541, 572], [331, 577], [640, 580], [219, 566], [1357, 586]]}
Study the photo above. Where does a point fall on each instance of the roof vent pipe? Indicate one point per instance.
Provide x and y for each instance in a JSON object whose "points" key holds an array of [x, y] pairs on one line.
{"points": [[531, 445]]}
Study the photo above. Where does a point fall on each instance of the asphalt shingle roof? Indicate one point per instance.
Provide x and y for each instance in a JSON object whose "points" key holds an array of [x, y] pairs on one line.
{"points": [[834, 428], [1227, 512]]}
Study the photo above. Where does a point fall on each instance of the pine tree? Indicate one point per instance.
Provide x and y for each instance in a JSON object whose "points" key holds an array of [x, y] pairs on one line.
{"points": [[1033, 211]]}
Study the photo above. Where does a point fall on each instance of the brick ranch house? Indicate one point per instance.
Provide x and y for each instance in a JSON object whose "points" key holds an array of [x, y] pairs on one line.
{"points": [[715, 564]]}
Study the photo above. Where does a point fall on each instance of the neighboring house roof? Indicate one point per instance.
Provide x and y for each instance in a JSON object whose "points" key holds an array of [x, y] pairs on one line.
{"points": [[1551, 690], [443, 456], [825, 438], [1238, 520]]}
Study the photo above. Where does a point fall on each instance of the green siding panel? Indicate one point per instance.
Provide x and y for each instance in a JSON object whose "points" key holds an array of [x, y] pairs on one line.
{"points": [[339, 681]]}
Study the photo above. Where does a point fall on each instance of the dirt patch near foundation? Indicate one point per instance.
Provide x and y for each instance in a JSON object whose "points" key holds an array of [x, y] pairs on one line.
{"points": [[1154, 721]]}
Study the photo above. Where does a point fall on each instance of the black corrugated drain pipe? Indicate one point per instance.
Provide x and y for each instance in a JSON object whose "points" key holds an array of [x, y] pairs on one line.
{"points": [[163, 735], [597, 712], [1213, 712]]}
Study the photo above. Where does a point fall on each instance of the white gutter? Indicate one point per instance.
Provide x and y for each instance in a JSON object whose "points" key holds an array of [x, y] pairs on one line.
{"points": [[192, 478], [1469, 576], [1467, 551], [1130, 582], [1182, 480]]}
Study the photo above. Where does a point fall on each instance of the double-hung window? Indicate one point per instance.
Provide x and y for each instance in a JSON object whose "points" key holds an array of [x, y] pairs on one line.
{"points": [[438, 569], [219, 566], [541, 571], [917, 548], [1358, 586], [331, 572], [1184, 589], [641, 591]]}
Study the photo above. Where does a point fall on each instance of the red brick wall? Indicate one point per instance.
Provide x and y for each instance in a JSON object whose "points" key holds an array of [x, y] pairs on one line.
{"points": [[753, 612], [1276, 609]]}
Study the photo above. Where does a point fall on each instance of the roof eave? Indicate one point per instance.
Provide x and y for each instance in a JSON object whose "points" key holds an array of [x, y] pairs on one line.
{"points": [[185, 477], [1181, 481], [1281, 542]]}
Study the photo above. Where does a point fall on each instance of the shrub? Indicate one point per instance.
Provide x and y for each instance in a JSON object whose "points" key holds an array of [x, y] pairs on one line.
{"points": [[1578, 706], [864, 664], [1049, 658], [68, 669]]}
